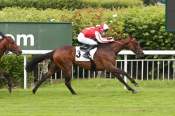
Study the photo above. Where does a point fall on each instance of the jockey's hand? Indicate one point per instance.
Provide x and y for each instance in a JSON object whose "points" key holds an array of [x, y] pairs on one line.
{"points": [[110, 39]]}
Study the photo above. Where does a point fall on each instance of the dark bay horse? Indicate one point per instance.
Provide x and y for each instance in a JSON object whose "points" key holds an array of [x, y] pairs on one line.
{"points": [[7, 44], [104, 59]]}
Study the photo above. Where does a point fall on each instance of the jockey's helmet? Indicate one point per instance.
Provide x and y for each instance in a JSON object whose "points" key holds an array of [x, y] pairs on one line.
{"points": [[105, 27]]}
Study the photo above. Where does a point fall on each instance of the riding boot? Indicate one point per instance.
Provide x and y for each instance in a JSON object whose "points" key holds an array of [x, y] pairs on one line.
{"points": [[87, 54]]}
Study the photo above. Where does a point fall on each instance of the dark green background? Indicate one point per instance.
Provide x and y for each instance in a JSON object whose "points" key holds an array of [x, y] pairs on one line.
{"points": [[47, 35], [170, 15]]}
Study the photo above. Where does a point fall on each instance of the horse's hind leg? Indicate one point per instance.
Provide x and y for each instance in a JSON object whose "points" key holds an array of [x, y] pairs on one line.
{"points": [[50, 72], [68, 84], [67, 70], [37, 85], [35, 74]]}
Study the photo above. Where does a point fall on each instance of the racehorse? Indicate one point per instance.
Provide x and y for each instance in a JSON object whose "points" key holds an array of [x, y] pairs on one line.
{"points": [[7, 44], [104, 59]]}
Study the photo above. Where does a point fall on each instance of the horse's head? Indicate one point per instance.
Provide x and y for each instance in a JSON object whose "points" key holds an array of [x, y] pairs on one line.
{"points": [[10, 45], [134, 46]]}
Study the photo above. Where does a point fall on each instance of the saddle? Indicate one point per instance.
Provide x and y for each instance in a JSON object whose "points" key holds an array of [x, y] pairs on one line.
{"points": [[85, 52], [84, 47]]}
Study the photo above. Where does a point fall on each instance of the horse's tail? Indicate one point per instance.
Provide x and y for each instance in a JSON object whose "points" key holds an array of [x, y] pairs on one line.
{"points": [[32, 64]]}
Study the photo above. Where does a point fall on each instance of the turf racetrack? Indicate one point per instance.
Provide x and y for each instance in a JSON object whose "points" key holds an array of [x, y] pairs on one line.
{"points": [[96, 97]]}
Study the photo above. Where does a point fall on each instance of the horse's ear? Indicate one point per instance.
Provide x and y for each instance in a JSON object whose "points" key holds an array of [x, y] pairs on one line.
{"points": [[132, 38]]}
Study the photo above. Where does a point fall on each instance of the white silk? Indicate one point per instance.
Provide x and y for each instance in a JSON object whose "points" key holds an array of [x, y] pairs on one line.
{"points": [[101, 39], [85, 40]]}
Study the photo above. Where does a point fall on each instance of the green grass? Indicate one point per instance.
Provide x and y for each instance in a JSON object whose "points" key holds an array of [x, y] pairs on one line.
{"points": [[96, 97]]}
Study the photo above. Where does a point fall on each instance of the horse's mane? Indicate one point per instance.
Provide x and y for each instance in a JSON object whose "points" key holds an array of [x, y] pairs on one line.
{"points": [[109, 44]]}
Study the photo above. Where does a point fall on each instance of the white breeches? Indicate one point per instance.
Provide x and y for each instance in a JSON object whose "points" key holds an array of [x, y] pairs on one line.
{"points": [[85, 40]]}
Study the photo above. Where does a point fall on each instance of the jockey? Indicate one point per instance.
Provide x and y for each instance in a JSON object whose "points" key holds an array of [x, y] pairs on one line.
{"points": [[92, 36]]}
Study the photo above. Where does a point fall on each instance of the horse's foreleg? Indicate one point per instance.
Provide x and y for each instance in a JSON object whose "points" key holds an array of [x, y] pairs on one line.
{"points": [[116, 73], [126, 74], [50, 72], [9, 81], [126, 85]]}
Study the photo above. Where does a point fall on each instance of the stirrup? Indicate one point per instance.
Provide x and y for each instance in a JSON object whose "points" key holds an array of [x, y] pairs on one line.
{"points": [[86, 55], [84, 48]]}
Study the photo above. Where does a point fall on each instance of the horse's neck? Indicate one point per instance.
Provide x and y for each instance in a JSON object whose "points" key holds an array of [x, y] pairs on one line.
{"points": [[2, 48], [119, 45], [1, 40]]}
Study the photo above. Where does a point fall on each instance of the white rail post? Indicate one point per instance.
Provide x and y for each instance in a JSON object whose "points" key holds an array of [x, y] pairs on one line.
{"points": [[25, 72], [125, 68]]}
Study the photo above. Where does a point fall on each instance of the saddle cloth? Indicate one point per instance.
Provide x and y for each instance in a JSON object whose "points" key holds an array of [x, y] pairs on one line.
{"points": [[79, 54]]}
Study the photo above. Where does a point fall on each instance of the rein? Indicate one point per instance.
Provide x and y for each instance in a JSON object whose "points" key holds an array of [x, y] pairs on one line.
{"points": [[117, 42]]}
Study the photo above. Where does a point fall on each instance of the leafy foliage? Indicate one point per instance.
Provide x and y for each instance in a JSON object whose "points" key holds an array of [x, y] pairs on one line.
{"points": [[145, 23], [14, 66], [148, 25], [69, 4]]}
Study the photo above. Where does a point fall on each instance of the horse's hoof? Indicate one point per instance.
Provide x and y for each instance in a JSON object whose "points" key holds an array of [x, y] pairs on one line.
{"points": [[136, 84], [33, 91], [135, 91], [74, 93], [10, 91]]}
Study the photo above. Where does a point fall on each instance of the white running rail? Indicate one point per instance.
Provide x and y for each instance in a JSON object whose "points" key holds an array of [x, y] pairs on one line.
{"points": [[141, 69]]}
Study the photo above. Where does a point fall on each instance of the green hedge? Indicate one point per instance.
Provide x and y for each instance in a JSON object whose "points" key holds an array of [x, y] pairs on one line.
{"points": [[109, 4], [14, 66], [69, 4], [42, 4], [146, 23]]}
